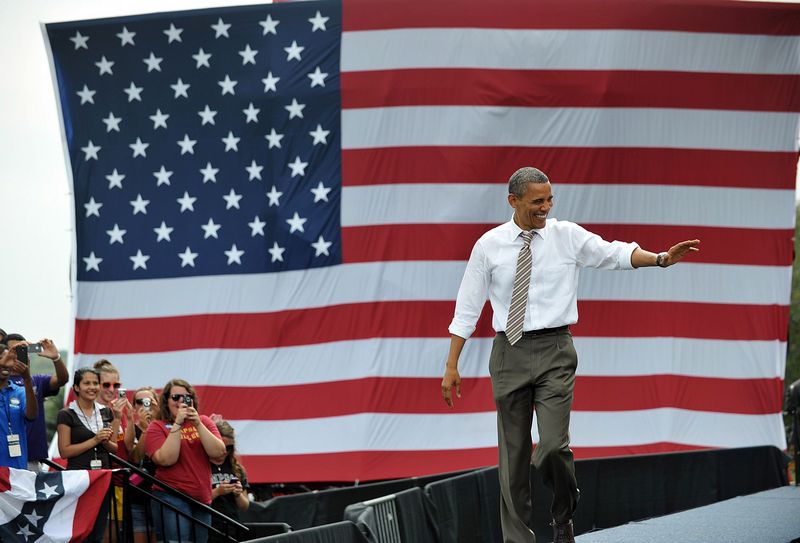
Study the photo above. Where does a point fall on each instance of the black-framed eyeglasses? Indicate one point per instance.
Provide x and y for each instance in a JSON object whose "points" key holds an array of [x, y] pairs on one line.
{"points": [[179, 397]]}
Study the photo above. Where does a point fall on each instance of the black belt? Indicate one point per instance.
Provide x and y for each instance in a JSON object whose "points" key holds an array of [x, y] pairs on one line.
{"points": [[543, 331]]}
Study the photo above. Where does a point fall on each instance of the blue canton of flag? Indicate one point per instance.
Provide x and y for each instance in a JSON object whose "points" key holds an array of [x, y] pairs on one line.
{"points": [[203, 142]]}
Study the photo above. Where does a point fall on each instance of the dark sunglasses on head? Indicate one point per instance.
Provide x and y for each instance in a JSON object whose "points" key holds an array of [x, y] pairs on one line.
{"points": [[109, 385], [179, 397]]}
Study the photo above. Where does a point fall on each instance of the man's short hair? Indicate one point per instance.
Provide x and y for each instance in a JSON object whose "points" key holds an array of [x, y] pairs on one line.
{"points": [[14, 337], [520, 179]]}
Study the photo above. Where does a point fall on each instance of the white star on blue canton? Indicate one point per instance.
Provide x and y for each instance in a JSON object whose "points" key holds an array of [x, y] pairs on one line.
{"points": [[79, 41], [296, 223], [173, 34], [111, 122], [115, 179], [159, 119], [318, 22], [321, 246], [180, 88], [126, 37], [139, 260], [270, 82], [293, 51], [221, 28], [90, 151], [187, 257], [92, 207], [227, 85], [234, 255], [153, 62], [269, 25], [105, 66], [202, 58], [248, 55], [87, 95], [276, 252], [48, 490], [92, 263], [298, 167], [134, 92], [139, 205], [187, 145]]}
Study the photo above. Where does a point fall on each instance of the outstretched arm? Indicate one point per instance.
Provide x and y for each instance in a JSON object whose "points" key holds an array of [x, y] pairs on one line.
{"points": [[641, 258]]}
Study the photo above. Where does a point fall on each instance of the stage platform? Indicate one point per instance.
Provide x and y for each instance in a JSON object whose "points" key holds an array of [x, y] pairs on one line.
{"points": [[772, 516]]}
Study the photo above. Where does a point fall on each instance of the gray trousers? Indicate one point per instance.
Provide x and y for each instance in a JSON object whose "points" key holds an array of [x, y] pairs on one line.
{"points": [[538, 372]]}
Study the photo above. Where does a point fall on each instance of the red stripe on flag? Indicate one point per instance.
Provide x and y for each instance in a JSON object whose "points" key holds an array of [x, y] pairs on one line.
{"points": [[373, 465], [570, 88], [5, 479], [679, 15], [397, 242], [701, 167], [423, 395], [418, 319], [89, 503]]}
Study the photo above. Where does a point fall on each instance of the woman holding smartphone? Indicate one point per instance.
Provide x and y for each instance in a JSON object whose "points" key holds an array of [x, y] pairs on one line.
{"points": [[181, 443], [228, 480], [85, 429]]}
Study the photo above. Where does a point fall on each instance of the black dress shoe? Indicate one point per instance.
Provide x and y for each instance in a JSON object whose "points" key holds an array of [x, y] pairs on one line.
{"points": [[562, 532]]}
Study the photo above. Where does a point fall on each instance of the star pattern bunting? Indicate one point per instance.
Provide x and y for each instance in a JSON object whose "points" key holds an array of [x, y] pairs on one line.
{"points": [[204, 143]]}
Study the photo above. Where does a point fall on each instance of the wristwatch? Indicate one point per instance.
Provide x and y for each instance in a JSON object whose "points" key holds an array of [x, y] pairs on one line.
{"points": [[660, 258]]}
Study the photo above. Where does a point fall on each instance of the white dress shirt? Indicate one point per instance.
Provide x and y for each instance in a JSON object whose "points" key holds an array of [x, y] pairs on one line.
{"points": [[558, 250]]}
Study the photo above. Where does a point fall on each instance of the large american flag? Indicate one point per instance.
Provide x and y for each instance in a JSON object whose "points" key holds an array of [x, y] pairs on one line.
{"points": [[276, 203]]}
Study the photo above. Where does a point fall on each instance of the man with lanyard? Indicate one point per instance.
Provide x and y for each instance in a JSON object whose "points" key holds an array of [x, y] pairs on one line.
{"points": [[18, 408], [528, 268], [44, 386]]}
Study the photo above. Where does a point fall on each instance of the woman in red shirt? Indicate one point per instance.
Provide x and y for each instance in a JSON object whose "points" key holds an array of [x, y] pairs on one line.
{"points": [[181, 443]]}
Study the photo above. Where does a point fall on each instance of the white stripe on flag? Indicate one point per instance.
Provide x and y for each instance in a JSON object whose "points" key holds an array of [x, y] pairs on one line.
{"points": [[568, 50], [411, 280], [422, 357], [494, 126], [611, 204], [378, 432]]}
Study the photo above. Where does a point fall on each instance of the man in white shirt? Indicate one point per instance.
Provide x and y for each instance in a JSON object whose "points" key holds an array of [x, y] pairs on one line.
{"points": [[528, 268]]}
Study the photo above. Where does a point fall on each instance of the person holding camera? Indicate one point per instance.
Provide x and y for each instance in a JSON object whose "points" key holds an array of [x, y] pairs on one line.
{"points": [[228, 480], [85, 434], [19, 410], [44, 386], [145, 410], [181, 443]]}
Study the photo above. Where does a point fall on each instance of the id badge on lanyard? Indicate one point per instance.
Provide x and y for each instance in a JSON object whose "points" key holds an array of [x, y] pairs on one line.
{"points": [[14, 447]]}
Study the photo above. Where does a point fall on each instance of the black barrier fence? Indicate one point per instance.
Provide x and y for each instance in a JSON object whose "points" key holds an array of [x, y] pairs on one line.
{"points": [[338, 532], [311, 509], [465, 508]]}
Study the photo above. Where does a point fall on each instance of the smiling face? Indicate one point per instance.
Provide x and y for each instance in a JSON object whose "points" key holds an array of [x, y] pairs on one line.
{"points": [[109, 382], [531, 209], [88, 387]]}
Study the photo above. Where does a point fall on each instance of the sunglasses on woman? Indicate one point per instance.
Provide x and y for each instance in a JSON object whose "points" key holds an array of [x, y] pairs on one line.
{"points": [[179, 397], [109, 385]]}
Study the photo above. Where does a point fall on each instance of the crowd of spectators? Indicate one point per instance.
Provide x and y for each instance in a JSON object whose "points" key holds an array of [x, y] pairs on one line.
{"points": [[160, 431]]}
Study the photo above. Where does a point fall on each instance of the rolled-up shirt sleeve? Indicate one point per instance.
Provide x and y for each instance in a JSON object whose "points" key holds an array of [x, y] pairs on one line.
{"points": [[595, 252], [472, 294]]}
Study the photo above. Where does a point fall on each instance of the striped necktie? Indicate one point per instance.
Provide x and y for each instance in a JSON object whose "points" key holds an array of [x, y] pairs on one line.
{"points": [[519, 294]]}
